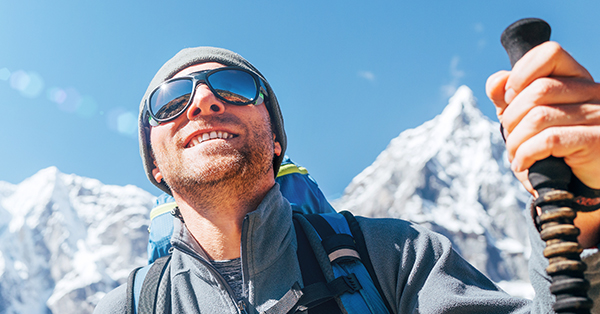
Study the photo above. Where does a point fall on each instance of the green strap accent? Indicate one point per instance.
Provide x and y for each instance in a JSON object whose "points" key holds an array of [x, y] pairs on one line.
{"points": [[161, 209], [291, 168]]}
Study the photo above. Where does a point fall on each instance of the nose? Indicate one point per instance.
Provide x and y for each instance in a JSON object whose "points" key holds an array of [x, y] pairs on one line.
{"points": [[204, 103]]}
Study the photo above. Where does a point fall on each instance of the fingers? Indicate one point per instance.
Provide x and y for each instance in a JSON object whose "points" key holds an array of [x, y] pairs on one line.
{"points": [[579, 145], [549, 105], [549, 91], [547, 59], [542, 117], [494, 88], [522, 176], [550, 102]]}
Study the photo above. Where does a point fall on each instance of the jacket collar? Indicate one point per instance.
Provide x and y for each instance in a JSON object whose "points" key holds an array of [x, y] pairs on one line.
{"points": [[266, 233]]}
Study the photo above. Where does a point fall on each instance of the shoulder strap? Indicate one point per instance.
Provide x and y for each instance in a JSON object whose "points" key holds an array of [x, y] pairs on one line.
{"points": [[131, 295], [143, 288], [361, 246], [312, 274], [331, 240]]}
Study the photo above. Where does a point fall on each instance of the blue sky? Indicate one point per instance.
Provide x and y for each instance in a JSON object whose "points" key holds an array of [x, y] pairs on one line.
{"points": [[349, 75]]}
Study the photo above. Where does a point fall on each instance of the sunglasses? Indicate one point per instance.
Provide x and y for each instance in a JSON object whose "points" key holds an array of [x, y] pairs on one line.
{"points": [[233, 85]]}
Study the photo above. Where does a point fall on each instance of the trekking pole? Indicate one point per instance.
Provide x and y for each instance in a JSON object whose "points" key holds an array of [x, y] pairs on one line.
{"points": [[550, 178]]}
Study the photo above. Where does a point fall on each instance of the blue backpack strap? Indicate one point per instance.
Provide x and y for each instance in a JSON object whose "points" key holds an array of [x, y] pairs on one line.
{"points": [[143, 288], [311, 273], [341, 264], [131, 294], [361, 247]]}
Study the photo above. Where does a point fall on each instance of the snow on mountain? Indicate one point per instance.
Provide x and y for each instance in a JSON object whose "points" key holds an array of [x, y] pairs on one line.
{"points": [[66, 240], [451, 174]]}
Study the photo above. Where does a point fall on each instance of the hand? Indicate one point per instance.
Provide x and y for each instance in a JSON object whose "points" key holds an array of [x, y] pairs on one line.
{"points": [[549, 105]]}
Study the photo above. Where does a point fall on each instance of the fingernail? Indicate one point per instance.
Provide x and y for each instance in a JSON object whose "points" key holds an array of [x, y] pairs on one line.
{"points": [[509, 95]]}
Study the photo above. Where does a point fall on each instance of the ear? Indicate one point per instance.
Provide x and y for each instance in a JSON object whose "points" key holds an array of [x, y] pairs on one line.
{"points": [[276, 146], [156, 173]]}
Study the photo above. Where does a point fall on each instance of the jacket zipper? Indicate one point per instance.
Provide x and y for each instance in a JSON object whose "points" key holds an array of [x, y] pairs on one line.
{"points": [[240, 305]]}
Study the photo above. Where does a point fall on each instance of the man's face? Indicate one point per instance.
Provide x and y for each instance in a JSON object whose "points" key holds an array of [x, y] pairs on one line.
{"points": [[213, 143]]}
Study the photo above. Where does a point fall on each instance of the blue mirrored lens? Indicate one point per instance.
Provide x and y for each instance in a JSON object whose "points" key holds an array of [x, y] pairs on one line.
{"points": [[234, 86], [171, 98]]}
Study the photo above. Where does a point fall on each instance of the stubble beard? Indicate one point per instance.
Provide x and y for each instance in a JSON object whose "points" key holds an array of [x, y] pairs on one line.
{"points": [[231, 173]]}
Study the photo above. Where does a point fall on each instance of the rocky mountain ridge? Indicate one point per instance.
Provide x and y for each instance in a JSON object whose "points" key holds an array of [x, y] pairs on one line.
{"points": [[451, 174], [66, 240]]}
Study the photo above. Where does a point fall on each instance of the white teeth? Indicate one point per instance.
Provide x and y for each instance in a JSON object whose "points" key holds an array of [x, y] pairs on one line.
{"points": [[209, 136]]}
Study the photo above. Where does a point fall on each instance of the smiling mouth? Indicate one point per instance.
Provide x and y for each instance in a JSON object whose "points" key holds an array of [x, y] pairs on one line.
{"points": [[209, 136]]}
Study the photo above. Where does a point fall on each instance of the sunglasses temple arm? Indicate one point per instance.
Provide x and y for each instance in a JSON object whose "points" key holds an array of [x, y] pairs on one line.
{"points": [[151, 120]]}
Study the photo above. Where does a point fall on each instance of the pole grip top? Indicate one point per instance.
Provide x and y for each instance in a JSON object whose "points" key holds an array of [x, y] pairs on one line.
{"points": [[522, 35]]}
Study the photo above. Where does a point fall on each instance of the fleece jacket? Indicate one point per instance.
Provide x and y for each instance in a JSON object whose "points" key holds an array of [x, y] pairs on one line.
{"points": [[417, 269]]}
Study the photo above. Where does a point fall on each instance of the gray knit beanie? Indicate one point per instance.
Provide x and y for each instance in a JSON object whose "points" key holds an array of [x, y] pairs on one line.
{"points": [[188, 57]]}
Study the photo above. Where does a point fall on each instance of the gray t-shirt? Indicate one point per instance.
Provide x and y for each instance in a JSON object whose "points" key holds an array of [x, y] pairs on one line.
{"points": [[231, 270]]}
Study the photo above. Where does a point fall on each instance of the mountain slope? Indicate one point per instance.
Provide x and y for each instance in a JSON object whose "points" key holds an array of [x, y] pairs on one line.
{"points": [[451, 174], [66, 240]]}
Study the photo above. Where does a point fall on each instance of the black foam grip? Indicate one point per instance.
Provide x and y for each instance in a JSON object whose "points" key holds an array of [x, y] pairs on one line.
{"points": [[518, 38], [522, 35]]}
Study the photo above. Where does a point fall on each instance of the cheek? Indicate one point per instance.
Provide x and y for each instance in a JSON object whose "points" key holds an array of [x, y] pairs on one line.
{"points": [[155, 133], [154, 144], [160, 134], [158, 137]]}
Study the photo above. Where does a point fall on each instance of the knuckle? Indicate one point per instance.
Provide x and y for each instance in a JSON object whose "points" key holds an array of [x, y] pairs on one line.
{"points": [[538, 116], [552, 48], [542, 86], [552, 138]]}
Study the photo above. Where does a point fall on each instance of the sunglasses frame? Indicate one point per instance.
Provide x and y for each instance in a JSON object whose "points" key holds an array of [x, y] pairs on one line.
{"points": [[202, 77]]}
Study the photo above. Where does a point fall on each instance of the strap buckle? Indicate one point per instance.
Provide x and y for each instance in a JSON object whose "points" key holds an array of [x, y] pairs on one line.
{"points": [[352, 283]]}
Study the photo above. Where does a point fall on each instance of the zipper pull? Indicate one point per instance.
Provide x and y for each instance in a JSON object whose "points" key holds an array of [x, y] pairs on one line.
{"points": [[242, 306]]}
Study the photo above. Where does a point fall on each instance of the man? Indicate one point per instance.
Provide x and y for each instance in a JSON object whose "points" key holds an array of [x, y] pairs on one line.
{"points": [[235, 245]]}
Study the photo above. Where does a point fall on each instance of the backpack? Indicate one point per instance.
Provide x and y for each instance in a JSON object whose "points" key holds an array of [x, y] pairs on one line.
{"points": [[335, 265]]}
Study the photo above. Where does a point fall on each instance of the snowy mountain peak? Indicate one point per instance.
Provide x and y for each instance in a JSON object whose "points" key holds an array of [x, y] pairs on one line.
{"points": [[450, 174], [462, 103], [464, 97], [462, 111]]}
